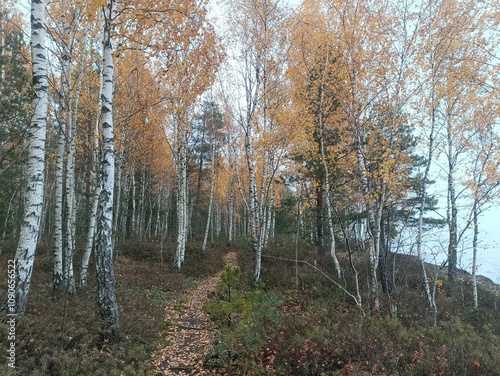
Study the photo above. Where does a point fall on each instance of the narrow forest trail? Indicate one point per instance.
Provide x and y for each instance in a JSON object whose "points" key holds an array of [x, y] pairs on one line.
{"points": [[190, 333]]}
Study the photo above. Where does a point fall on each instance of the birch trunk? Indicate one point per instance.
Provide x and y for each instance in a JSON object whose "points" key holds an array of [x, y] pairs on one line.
{"points": [[70, 190], [133, 214], [90, 237], [184, 206], [210, 202], [141, 215], [428, 293], [372, 226], [28, 237], [230, 230], [253, 208], [118, 195], [333, 253], [452, 207], [263, 210], [95, 182], [57, 276], [269, 219], [181, 169], [106, 298], [157, 219], [320, 204], [254, 28], [474, 253], [218, 215]]}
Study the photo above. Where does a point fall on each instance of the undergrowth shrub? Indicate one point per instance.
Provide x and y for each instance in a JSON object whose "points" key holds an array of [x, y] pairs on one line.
{"points": [[322, 333], [242, 318]]}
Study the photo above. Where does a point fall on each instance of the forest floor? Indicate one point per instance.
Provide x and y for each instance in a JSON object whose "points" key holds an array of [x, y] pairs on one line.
{"points": [[184, 323], [190, 333]]}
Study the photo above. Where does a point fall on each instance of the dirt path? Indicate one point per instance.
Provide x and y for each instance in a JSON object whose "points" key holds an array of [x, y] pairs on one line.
{"points": [[190, 333]]}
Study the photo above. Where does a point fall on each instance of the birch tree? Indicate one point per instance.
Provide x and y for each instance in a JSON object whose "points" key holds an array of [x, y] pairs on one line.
{"points": [[364, 67], [257, 42], [460, 53], [356, 31], [186, 69], [64, 33], [25, 253], [89, 131], [315, 82], [484, 185], [106, 298], [212, 119], [95, 189], [480, 140], [180, 160]]}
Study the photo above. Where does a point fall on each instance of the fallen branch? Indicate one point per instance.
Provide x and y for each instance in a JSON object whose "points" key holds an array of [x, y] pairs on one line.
{"points": [[180, 326], [358, 304]]}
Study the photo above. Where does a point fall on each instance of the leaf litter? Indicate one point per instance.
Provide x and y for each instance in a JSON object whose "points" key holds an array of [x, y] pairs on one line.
{"points": [[190, 334]]}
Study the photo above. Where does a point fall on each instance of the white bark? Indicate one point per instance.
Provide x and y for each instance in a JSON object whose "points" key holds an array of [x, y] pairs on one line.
{"points": [[329, 204], [452, 202], [28, 237], [423, 195], [90, 236], [485, 188], [106, 299], [269, 219], [218, 217], [142, 207], [133, 215], [211, 199], [263, 209], [374, 212], [182, 209], [252, 91], [230, 230], [474, 256], [333, 251], [57, 277], [254, 28], [118, 194], [253, 208], [95, 182], [67, 135], [157, 221], [70, 188]]}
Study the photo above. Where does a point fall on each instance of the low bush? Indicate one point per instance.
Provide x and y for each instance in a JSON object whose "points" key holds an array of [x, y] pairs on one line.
{"points": [[242, 318]]}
